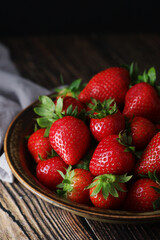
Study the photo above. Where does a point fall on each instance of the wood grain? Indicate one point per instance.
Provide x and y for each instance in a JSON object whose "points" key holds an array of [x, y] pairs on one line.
{"points": [[42, 60]]}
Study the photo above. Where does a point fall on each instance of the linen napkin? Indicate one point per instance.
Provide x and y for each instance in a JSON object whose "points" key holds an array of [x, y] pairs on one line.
{"points": [[16, 93]]}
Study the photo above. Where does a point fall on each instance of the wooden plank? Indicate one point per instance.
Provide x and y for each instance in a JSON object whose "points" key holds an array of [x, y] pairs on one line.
{"points": [[26, 215], [124, 231]]}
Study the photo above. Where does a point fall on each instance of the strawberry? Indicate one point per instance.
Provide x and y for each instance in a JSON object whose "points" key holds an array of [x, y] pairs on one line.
{"points": [[70, 138], [39, 146], [110, 83], [47, 173], [113, 156], [106, 119], [143, 195], [150, 160], [68, 135], [74, 184], [67, 101], [142, 99], [108, 191], [142, 131]]}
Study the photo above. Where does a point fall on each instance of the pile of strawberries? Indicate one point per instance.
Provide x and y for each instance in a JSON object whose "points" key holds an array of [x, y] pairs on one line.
{"points": [[99, 144]]}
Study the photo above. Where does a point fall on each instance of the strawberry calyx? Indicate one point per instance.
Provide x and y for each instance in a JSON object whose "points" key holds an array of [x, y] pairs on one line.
{"points": [[133, 70], [126, 140], [102, 109], [109, 184], [153, 176], [66, 184], [49, 112], [49, 155], [72, 90], [147, 77]]}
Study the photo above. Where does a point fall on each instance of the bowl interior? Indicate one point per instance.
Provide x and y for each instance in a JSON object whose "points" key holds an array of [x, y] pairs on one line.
{"points": [[23, 167]]}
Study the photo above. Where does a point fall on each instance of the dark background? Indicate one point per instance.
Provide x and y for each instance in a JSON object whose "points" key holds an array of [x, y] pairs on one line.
{"points": [[78, 16]]}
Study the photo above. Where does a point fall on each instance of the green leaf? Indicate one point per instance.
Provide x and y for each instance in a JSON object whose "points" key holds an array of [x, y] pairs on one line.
{"points": [[45, 100], [66, 181], [105, 190], [69, 110], [152, 76], [43, 112], [131, 68], [45, 122], [133, 71], [71, 174], [75, 85], [60, 186], [47, 107], [145, 77], [143, 176], [110, 177], [35, 127], [59, 105], [118, 187], [61, 173], [151, 176], [113, 191], [132, 148], [46, 134], [156, 189], [92, 185], [123, 178], [97, 189]]}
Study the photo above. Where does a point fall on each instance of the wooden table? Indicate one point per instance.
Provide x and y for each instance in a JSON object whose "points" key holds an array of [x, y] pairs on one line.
{"points": [[42, 59]]}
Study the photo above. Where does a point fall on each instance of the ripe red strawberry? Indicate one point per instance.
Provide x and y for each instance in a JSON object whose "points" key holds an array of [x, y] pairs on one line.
{"points": [[38, 145], [110, 83], [74, 185], [106, 119], [142, 131], [67, 101], [47, 173], [112, 157], [150, 160], [143, 196], [68, 135], [70, 138], [108, 191], [142, 100]]}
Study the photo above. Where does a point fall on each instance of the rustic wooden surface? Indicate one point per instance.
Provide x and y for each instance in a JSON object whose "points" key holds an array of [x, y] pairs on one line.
{"points": [[42, 59]]}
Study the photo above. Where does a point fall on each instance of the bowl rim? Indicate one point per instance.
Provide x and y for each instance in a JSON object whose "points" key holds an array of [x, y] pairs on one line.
{"points": [[60, 202]]}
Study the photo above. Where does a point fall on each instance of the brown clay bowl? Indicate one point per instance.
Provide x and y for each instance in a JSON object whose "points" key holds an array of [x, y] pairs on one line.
{"points": [[23, 168]]}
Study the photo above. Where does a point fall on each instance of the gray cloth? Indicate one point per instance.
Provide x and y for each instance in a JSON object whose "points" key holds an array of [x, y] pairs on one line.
{"points": [[16, 93]]}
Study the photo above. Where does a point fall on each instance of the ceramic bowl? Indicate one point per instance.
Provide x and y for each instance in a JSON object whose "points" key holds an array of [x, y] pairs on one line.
{"points": [[23, 168]]}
